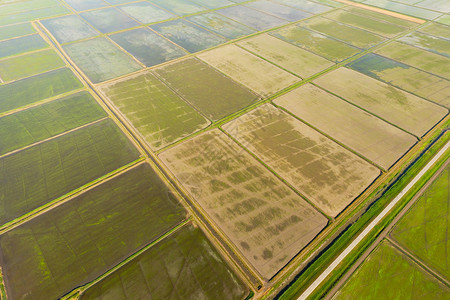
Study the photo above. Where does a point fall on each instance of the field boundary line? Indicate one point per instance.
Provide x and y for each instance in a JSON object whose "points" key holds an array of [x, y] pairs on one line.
{"points": [[386, 231], [53, 137], [417, 261], [372, 224], [69, 196], [383, 11], [78, 291]]}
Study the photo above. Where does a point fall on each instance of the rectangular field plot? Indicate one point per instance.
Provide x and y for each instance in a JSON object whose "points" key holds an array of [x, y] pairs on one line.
{"points": [[221, 25], [252, 18], [400, 108], [410, 79], [378, 16], [389, 274], [80, 5], [428, 42], [69, 29], [265, 220], [348, 34], [109, 20], [46, 171], [29, 64], [158, 114], [212, 3], [213, 94], [13, 31], [30, 90], [365, 22], [145, 12], [179, 7], [38, 123], [281, 11], [189, 36], [404, 9], [315, 42], [81, 239], [286, 55], [249, 70], [305, 5], [32, 15], [100, 59], [416, 57], [445, 19], [364, 133], [183, 264], [148, 47], [423, 230], [22, 45], [328, 175], [436, 29]]}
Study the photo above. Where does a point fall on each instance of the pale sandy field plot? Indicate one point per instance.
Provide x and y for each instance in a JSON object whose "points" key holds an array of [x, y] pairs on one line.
{"points": [[253, 72], [403, 109], [327, 174], [416, 57], [366, 134], [286, 55], [265, 220]]}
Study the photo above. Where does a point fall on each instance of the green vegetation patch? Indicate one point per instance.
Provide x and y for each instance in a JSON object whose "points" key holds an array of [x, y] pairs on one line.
{"points": [[428, 42], [38, 123], [13, 31], [80, 5], [30, 90], [416, 57], [423, 230], [410, 79], [309, 6], [26, 5], [351, 35], [37, 175], [366, 13], [69, 28], [436, 29], [265, 220], [445, 19], [83, 238], [205, 88], [158, 113], [29, 64], [109, 19], [189, 36], [184, 264], [100, 59], [34, 14], [221, 25], [315, 42], [213, 3], [389, 274], [147, 46], [21, 45], [179, 7]]}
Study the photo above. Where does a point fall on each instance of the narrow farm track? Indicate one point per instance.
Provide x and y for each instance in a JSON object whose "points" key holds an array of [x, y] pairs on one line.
{"points": [[385, 233], [369, 228]]}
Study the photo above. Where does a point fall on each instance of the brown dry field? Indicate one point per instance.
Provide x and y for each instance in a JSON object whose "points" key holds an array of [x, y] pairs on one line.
{"points": [[251, 71], [262, 217], [400, 108], [285, 55], [364, 133], [327, 174]]}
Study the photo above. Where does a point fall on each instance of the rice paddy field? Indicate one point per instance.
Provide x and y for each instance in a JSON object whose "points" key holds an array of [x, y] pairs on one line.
{"points": [[210, 149]]}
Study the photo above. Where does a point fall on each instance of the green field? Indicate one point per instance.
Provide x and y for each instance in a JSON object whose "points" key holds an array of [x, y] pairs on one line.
{"points": [[262, 217], [213, 94], [158, 114], [81, 239], [69, 28], [410, 79], [418, 58], [370, 15], [389, 274], [436, 29], [30, 90], [100, 59], [179, 7], [348, 34], [317, 43], [37, 175], [30, 64], [428, 42], [184, 265], [423, 230], [328, 175], [13, 31], [36, 124], [21, 45], [33, 15], [400, 108]]}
